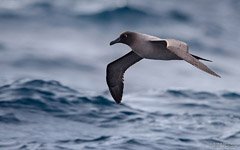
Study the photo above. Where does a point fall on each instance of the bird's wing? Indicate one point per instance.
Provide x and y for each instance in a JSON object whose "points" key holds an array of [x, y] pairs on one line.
{"points": [[181, 50], [115, 71]]}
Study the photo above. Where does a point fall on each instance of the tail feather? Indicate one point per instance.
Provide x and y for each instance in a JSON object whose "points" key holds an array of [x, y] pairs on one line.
{"points": [[200, 58]]}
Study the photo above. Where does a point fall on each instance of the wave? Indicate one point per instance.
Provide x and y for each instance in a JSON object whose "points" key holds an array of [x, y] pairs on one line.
{"points": [[231, 95], [21, 9], [127, 14], [121, 14], [42, 6], [10, 15], [61, 101], [201, 94], [178, 15], [77, 141], [219, 144], [40, 92], [49, 103], [52, 96], [46, 13], [9, 118], [132, 16]]}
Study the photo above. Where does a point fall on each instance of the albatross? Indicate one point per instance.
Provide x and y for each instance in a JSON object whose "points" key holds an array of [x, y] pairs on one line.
{"points": [[148, 47]]}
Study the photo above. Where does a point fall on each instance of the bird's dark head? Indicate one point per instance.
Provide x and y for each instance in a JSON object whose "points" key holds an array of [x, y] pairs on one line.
{"points": [[125, 38]]}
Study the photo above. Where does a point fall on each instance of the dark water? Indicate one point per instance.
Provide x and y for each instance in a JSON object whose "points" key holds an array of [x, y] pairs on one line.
{"points": [[53, 94], [39, 114]]}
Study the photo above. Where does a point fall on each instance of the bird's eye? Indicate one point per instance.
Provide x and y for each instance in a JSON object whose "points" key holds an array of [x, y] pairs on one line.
{"points": [[123, 36]]}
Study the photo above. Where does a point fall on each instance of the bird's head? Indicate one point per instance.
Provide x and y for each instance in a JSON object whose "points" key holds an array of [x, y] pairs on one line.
{"points": [[125, 38]]}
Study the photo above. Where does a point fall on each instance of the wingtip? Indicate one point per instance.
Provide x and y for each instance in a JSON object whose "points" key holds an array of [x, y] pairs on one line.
{"points": [[219, 76], [115, 94], [200, 58], [117, 99], [216, 75], [206, 60], [209, 60]]}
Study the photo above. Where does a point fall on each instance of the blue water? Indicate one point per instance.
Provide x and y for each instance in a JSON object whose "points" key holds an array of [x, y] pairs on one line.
{"points": [[53, 94], [39, 114]]}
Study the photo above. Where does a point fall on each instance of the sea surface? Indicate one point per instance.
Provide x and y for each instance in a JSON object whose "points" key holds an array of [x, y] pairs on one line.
{"points": [[53, 93]]}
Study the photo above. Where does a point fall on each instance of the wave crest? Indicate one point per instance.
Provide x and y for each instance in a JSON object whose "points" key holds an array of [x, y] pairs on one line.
{"points": [[61, 101], [119, 14]]}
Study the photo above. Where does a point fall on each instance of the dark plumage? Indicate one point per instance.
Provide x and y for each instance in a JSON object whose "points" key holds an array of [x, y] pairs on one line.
{"points": [[149, 47]]}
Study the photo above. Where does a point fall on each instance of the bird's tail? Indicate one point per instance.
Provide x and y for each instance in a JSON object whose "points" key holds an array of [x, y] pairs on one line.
{"points": [[200, 58]]}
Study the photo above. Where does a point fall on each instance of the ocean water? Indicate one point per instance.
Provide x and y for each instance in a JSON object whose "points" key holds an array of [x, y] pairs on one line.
{"points": [[53, 93]]}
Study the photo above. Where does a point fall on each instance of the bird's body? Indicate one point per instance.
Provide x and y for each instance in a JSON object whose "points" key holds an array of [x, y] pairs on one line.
{"points": [[149, 47], [144, 46]]}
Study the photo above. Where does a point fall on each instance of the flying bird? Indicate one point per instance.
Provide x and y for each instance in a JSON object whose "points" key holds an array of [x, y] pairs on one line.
{"points": [[149, 47]]}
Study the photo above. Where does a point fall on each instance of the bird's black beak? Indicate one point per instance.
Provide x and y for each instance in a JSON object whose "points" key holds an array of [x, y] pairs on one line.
{"points": [[118, 40]]}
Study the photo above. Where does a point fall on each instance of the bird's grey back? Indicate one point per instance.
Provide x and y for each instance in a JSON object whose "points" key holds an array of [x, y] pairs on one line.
{"points": [[145, 47]]}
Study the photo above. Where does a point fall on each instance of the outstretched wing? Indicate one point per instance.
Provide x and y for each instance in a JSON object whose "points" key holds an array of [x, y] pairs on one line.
{"points": [[115, 72], [181, 50]]}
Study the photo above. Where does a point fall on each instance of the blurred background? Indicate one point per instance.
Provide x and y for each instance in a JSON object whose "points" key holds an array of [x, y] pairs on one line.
{"points": [[68, 41], [53, 93]]}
